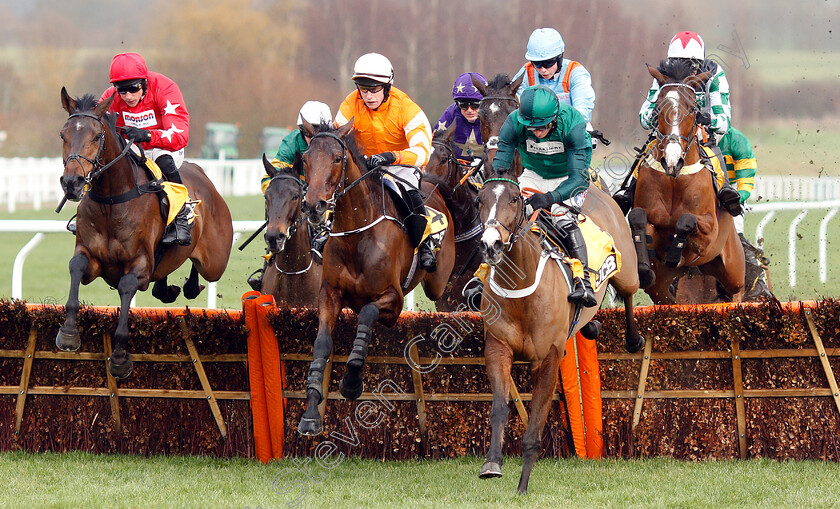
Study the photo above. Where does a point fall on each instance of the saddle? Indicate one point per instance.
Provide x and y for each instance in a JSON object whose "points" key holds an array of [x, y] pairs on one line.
{"points": [[173, 196], [436, 222]]}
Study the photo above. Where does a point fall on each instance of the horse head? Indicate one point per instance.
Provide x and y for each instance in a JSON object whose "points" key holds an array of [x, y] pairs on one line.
{"points": [[85, 139], [283, 198], [502, 211], [326, 164], [442, 161], [676, 110], [498, 102]]}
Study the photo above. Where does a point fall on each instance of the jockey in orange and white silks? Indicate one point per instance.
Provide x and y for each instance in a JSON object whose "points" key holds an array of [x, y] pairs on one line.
{"points": [[395, 134]]}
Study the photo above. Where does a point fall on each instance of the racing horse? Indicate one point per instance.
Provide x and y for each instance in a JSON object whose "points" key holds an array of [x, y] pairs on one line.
{"points": [[676, 213], [451, 178], [530, 317], [498, 102], [291, 276], [369, 262], [119, 225]]}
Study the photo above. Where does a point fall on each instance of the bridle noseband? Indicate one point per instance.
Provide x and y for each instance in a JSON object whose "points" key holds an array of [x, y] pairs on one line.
{"points": [[97, 166], [677, 138], [518, 228]]}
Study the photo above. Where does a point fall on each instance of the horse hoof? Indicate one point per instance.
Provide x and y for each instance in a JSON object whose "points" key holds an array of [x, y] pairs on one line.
{"points": [[591, 330], [646, 277], [633, 345], [190, 294], [310, 427], [120, 368], [351, 393], [68, 341], [490, 470]]}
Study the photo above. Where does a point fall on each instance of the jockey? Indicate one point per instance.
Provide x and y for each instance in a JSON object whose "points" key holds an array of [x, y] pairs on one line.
{"points": [[464, 112], [292, 146], [741, 167], [152, 113], [556, 150], [715, 113], [394, 133], [567, 78]]}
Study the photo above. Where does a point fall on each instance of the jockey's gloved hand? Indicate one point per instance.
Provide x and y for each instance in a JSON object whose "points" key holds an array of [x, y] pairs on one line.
{"points": [[703, 118], [136, 134], [541, 201], [383, 159]]}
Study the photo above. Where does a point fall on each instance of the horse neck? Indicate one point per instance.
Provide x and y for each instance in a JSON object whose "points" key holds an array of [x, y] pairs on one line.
{"points": [[360, 205]]}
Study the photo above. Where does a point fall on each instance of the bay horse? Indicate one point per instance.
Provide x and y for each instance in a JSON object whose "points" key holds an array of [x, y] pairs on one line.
{"points": [[534, 326], [369, 262], [676, 212], [499, 100], [292, 276], [450, 176], [119, 224]]}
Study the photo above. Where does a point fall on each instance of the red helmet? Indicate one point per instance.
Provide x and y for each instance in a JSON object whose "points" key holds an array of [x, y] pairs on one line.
{"points": [[128, 66]]}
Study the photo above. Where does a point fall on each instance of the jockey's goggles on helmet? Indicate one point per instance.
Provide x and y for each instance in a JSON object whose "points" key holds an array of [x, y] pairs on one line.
{"points": [[543, 127], [466, 103], [545, 64], [129, 89], [370, 89]]}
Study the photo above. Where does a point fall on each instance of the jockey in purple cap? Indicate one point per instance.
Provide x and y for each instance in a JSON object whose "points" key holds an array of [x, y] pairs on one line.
{"points": [[464, 111]]}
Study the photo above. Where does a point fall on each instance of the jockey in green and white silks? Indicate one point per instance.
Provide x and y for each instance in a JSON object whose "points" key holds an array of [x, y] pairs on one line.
{"points": [[713, 101], [556, 150]]}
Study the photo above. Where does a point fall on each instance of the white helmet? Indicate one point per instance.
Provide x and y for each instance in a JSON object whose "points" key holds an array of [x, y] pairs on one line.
{"points": [[687, 45], [315, 112], [544, 44], [374, 67]]}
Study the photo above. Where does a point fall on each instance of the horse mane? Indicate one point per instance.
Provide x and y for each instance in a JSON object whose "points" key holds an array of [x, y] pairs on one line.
{"points": [[86, 103], [499, 81], [676, 69]]}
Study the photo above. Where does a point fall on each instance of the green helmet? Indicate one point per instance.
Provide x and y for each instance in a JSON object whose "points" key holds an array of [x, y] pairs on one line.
{"points": [[538, 106]]}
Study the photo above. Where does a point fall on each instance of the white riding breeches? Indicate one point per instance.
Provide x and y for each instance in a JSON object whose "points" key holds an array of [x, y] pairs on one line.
{"points": [[529, 178]]}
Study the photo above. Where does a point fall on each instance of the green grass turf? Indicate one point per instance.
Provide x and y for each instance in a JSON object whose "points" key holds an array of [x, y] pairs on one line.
{"points": [[82, 480]]}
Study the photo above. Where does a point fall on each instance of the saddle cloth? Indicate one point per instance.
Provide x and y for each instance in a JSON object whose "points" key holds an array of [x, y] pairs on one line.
{"points": [[177, 195]]}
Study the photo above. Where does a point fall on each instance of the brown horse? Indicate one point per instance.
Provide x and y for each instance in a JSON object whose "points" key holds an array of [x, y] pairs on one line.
{"points": [[120, 224], [450, 176], [292, 276], [369, 262], [498, 102], [530, 319], [676, 205]]}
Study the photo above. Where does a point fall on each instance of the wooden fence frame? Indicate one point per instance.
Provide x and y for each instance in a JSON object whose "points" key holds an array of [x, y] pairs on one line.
{"points": [[111, 389]]}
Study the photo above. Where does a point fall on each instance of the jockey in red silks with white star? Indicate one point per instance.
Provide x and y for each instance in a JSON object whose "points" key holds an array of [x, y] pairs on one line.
{"points": [[151, 111]]}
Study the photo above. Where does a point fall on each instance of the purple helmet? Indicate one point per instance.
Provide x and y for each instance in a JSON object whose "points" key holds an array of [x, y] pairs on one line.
{"points": [[464, 88]]}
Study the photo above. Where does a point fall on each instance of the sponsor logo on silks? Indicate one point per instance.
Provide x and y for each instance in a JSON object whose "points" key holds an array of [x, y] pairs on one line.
{"points": [[545, 147], [143, 119], [607, 269]]}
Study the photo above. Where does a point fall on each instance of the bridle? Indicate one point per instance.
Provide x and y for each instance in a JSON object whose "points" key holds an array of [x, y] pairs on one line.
{"points": [[293, 227], [677, 138], [97, 166], [492, 143], [518, 221]]}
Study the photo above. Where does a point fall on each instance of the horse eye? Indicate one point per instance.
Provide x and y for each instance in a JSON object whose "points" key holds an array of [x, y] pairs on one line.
{"points": [[98, 137], [337, 159]]}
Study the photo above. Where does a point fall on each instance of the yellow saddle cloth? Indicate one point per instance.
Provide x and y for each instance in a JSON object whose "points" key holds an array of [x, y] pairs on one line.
{"points": [[176, 194]]}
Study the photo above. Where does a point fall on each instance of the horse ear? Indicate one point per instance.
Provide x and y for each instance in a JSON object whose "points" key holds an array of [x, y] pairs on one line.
{"points": [[479, 85], [269, 168], [658, 76], [308, 128], [343, 130], [517, 82], [67, 102], [450, 131], [102, 106], [697, 81]]}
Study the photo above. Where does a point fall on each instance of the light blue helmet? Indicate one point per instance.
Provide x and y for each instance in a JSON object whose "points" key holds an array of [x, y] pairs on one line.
{"points": [[544, 43]]}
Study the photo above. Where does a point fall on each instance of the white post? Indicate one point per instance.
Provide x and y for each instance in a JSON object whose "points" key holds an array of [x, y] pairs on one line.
{"points": [[409, 301], [823, 244], [759, 231], [792, 247], [17, 269]]}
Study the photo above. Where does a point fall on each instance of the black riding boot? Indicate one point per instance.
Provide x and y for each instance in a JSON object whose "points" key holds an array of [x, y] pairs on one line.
{"points": [[179, 231], [256, 277], [318, 238], [576, 247], [625, 197], [415, 225], [730, 200]]}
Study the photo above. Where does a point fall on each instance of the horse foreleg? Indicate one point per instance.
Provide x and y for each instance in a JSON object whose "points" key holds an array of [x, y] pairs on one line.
{"points": [[191, 286], [633, 341], [165, 292], [686, 226], [120, 362], [67, 338], [546, 384], [351, 385], [329, 306], [498, 360], [637, 218]]}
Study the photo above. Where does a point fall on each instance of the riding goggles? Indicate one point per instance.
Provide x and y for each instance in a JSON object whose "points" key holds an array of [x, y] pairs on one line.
{"points": [[543, 127], [129, 89], [465, 104], [545, 64], [370, 90]]}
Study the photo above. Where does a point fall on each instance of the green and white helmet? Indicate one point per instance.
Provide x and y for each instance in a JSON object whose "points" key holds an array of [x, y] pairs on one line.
{"points": [[538, 106]]}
